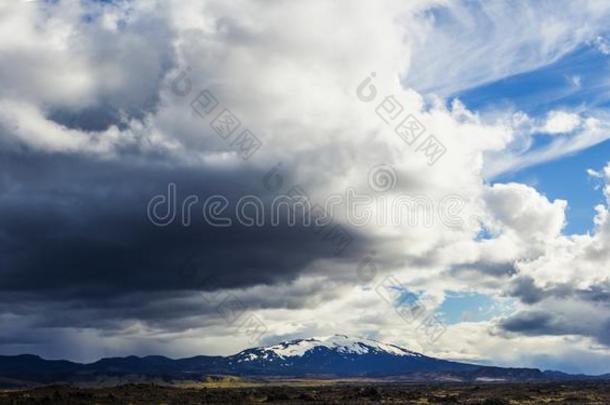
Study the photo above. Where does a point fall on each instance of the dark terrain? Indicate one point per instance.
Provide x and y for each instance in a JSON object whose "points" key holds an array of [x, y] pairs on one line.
{"points": [[581, 392]]}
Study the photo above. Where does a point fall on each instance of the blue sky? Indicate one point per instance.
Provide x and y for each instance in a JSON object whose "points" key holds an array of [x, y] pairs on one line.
{"points": [[578, 81]]}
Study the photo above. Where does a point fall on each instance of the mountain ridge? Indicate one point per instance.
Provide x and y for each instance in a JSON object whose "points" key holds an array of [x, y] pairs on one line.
{"points": [[336, 356]]}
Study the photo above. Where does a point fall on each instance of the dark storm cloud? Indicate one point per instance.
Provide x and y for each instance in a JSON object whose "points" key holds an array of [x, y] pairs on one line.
{"points": [[596, 293], [540, 322], [548, 314], [524, 288], [531, 323], [95, 119], [172, 311], [604, 336], [503, 269], [76, 228]]}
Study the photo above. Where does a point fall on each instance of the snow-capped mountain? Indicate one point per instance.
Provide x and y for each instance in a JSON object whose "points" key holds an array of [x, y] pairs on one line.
{"points": [[335, 356], [339, 343], [343, 356]]}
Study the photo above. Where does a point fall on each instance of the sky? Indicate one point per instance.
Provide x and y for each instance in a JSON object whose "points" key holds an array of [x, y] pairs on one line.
{"points": [[140, 141]]}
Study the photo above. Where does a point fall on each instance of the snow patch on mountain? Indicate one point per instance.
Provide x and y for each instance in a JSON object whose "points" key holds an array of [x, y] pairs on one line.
{"points": [[340, 343]]}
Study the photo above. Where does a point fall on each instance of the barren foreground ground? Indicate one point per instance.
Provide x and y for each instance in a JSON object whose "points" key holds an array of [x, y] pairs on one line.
{"points": [[489, 394]]}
